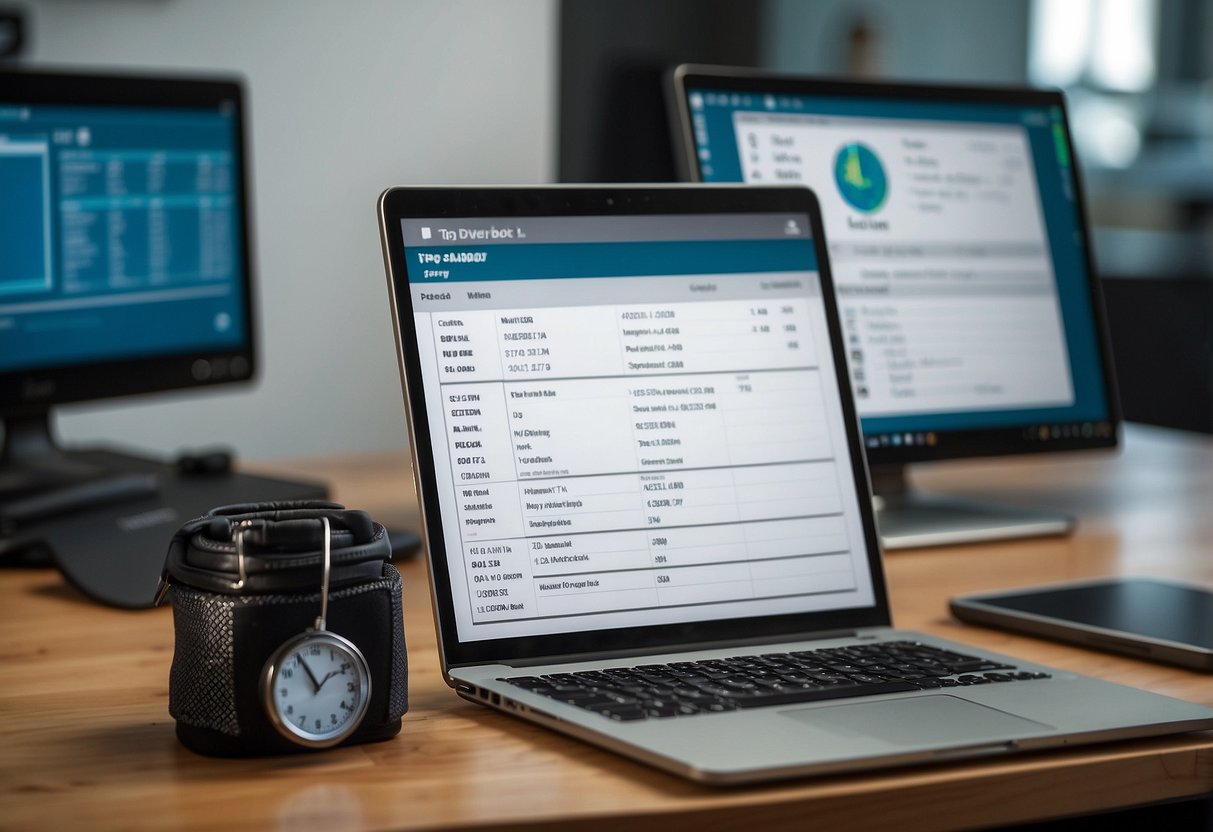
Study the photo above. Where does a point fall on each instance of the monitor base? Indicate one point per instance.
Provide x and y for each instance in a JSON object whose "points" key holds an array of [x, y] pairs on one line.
{"points": [[39, 480], [908, 519], [919, 521]]}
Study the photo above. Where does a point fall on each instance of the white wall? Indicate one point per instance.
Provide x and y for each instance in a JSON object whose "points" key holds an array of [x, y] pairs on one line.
{"points": [[347, 98]]}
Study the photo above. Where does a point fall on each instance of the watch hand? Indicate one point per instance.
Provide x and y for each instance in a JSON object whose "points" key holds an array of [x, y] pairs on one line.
{"points": [[310, 675], [328, 676]]}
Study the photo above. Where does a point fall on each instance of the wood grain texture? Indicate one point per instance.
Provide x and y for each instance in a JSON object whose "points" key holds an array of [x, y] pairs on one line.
{"points": [[86, 740]]}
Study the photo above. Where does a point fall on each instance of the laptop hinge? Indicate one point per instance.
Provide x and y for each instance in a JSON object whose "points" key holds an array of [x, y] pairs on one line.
{"points": [[666, 648]]}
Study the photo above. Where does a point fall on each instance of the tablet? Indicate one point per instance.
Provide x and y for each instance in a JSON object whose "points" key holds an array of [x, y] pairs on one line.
{"points": [[1140, 617]]}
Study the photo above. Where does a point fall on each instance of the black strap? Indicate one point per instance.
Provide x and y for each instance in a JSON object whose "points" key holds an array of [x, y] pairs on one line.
{"points": [[283, 548]]}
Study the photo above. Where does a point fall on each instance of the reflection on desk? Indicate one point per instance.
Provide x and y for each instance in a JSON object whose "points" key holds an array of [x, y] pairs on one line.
{"points": [[85, 736]]}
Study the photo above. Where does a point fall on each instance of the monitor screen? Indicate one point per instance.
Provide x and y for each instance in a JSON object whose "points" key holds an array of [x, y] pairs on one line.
{"points": [[123, 227], [958, 244]]}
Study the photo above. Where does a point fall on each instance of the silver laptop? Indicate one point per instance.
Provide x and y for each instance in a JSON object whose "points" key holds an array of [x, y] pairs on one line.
{"points": [[644, 494]]}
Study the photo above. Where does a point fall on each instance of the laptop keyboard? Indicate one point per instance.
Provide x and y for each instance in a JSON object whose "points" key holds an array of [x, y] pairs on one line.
{"points": [[653, 691]]}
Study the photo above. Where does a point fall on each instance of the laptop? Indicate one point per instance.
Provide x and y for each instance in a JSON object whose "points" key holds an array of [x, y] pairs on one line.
{"points": [[644, 496]]}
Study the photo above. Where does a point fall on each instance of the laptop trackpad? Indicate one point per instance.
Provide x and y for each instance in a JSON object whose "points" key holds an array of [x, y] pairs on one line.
{"points": [[924, 720]]}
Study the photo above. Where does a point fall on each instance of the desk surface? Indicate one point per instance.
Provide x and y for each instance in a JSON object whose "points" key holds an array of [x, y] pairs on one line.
{"points": [[85, 736]]}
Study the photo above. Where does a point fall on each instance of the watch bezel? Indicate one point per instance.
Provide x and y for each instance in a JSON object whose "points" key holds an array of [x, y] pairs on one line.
{"points": [[288, 729]]}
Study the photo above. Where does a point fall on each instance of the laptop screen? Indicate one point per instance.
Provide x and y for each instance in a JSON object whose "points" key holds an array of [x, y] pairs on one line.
{"points": [[633, 421]]}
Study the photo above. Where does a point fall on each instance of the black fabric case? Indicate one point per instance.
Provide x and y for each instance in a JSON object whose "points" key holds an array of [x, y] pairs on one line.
{"points": [[224, 634]]}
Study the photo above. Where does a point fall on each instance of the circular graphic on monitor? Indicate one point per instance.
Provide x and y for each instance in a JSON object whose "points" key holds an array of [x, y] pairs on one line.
{"points": [[860, 177]]}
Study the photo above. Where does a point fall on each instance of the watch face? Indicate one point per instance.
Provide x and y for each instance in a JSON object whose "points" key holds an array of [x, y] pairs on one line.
{"points": [[315, 688]]}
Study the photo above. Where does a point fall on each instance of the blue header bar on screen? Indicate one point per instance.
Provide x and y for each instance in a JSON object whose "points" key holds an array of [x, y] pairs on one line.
{"points": [[547, 261]]}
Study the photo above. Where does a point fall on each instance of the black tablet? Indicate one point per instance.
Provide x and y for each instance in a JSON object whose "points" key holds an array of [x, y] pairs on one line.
{"points": [[1141, 617]]}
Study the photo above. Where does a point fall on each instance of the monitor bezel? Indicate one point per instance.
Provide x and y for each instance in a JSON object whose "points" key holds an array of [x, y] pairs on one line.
{"points": [[36, 390], [399, 204], [951, 443]]}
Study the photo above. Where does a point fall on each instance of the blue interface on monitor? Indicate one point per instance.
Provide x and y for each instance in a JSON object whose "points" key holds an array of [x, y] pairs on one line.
{"points": [[956, 248], [120, 233]]}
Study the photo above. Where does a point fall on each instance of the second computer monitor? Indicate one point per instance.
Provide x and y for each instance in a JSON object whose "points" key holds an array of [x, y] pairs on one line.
{"points": [[957, 236]]}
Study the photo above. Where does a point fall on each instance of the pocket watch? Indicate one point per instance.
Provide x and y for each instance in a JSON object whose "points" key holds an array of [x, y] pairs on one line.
{"points": [[315, 687]]}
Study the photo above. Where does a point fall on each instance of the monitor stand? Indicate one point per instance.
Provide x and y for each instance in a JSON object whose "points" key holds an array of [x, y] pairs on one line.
{"points": [[39, 480], [106, 518], [907, 519]]}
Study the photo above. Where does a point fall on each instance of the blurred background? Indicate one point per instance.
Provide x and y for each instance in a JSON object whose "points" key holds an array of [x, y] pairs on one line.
{"points": [[347, 99]]}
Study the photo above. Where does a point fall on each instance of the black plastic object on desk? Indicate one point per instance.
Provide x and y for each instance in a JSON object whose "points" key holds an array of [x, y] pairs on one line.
{"points": [[112, 552]]}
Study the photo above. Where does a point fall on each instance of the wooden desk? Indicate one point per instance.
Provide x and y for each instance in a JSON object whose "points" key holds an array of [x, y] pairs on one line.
{"points": [[85, 737]]}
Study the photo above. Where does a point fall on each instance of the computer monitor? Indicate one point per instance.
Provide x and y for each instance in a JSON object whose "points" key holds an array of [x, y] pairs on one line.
{"points": [[963, 273], [124, 262]]}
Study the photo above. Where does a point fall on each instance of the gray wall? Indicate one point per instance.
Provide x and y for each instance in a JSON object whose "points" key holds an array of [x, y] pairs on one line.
{"points": [[940, 40], [347, 98]]}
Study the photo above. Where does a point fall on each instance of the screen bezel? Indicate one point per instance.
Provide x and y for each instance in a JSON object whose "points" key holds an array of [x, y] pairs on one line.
{"points": [[400, 204], [30, 391], [952, 443]]}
